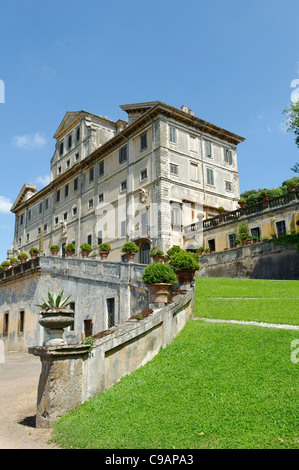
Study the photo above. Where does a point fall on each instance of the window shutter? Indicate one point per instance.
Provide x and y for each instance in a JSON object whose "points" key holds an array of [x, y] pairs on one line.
{"points": [[230, 157]]}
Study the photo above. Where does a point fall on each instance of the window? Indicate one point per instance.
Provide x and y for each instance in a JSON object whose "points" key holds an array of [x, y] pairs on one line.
{"points": [[232, 240], [228, 156], [174, 169], [91, 174], [27, 237], [210, 176], [65, 216], [69, 141], [123, 154], [72, 306], [90, 203], [59, 169], [211, 244], [61, 148], [111, 312], [68, 163], [87, 328], [123, 229], [5, 324], [89, 240], [77, 157], [281, 227], [29, 214], [40, 207], [100, 237], [78, 133], [75, 184], [193, 172], [39, 231], [123, 185], [175, 217], [172, 135], [74, 210], [228, 186], [20, 241], [21, 219], [46, 204], [101, 197], [143, 141], [255, 232], [45, 227], [208, 148], [101, 168], [66, 190], [21, 321], [192, 143], [58, 195], [56, 220], [143, 175]]}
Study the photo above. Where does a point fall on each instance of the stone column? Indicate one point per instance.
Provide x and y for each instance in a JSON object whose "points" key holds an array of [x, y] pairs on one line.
{"points": [[61, 383]]}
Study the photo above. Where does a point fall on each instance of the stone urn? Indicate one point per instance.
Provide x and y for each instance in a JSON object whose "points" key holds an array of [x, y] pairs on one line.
{"points": [[104, 254], [55, 320], [185, 276], [159, 292], [54, 252], [69, 253], [129, 257], [85, 253]]}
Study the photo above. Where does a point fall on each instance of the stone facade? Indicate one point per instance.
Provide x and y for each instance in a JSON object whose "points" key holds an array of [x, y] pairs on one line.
{"points": [[141, 181]]}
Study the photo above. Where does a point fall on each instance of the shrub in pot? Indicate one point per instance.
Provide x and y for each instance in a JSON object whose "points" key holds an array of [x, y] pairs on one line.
{"points": [[23, 257], [70, 249], [13, 261], [199, 250], [242, 202], [185, 264], [157, 255], [129, 249], [265, 194], [5, 265], [291, 184], [104, 250], [86, 248], [159, 279], [54, 249], [34, 252], [221, 210]]}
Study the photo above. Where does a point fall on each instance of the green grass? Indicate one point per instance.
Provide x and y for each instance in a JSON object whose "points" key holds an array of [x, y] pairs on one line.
{"points": [[215, 386], [248, 299]]}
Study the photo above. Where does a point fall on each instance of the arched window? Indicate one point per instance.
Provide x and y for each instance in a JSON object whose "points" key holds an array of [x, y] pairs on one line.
{"points": [[144, 253]]}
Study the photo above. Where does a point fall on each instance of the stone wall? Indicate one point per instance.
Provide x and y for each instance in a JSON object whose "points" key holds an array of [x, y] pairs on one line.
{"points": [[89, 283], [256, 261], [72, 374]]}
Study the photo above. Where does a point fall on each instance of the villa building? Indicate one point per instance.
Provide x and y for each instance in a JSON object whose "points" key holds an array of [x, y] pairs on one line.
{"points": [[143, 180]]}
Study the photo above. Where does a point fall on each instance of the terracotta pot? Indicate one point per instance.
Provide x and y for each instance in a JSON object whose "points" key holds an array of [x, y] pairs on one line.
{"points": [[14, 264], [23, 260], [247, 241], [104, 254], [291, 189], [5, 268], [159, 292], [185, 276], [54, 252], [33, 255], [265, 197], [85, 253], [69, 253], [129, 256], [242, 204], [158, 259]]}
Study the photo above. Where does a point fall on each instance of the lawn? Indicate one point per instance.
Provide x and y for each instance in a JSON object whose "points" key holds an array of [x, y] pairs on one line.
{"points": [[248, 299]]}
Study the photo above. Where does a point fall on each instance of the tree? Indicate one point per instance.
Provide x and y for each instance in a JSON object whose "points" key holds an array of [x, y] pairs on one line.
{"points": [[293, 121], [295, 168]]}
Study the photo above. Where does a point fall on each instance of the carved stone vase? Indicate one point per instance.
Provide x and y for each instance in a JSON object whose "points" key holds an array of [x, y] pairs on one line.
{"points": [[55, 320]]}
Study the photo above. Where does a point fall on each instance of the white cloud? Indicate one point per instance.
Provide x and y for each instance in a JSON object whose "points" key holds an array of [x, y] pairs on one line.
{"points": [[5, 205], [29, 141], [43, 180]]}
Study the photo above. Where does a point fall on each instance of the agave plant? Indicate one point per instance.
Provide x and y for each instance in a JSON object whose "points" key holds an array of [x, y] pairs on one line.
{"points": [[55, 301]]}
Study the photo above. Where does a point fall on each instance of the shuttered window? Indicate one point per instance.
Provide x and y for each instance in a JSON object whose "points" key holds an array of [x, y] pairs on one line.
{"points": [[210, 176]]}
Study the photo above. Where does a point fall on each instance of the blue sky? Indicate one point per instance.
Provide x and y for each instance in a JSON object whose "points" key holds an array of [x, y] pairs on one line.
{"points": [[231, 62]]}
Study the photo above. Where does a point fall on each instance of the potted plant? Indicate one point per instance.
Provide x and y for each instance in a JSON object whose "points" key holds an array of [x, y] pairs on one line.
{"points": [[70, 249], [129, 249], [221, 210], [54, 249], [159, 279], [265, 194], [157, 255], [86, 248], [199, 250], [34, 252], [243, 234], [13, 261], [104, 250], [255, 239], [207, 251], [23, 257], [292, 185], [56, 316], [237, 242], [184, 264], [242, 202], [5, 265]]}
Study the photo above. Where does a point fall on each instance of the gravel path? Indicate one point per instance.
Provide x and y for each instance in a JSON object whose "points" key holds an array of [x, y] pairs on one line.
{"points": [[240, 322], [19, 376]]}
